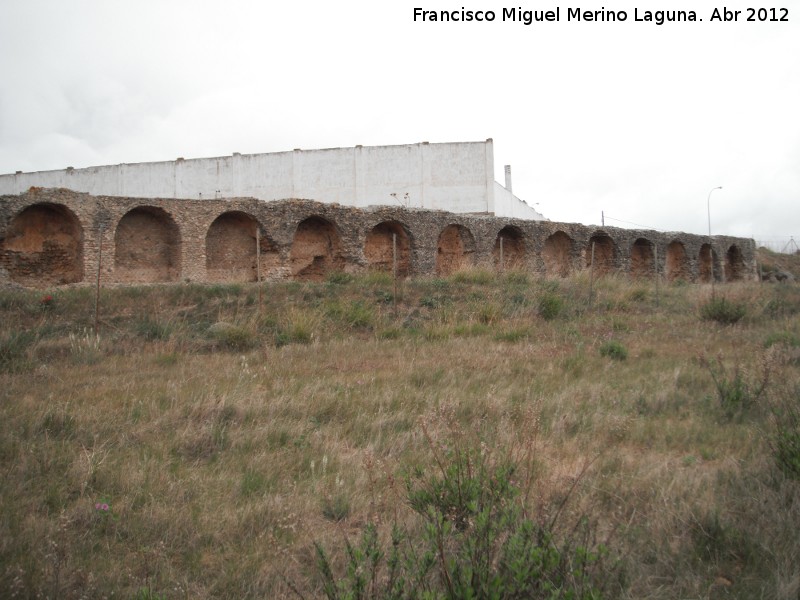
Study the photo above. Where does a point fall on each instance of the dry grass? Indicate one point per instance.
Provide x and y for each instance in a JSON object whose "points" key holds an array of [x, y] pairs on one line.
{"points": [[223, 458]]}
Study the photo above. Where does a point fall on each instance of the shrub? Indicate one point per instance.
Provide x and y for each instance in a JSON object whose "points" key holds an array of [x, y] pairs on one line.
{"points": [[152, 330], [476, 541], [782, 338], [737, 391], [723, 311], [474, 276], [336, 508], [298, 327], [614, 349], [550, 306], [339, 278], [232, 337], [784, 439], [14, 351]]}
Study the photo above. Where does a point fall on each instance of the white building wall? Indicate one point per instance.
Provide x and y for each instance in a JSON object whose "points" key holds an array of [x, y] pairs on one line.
{"points": [[508, 205], [456, 177]]}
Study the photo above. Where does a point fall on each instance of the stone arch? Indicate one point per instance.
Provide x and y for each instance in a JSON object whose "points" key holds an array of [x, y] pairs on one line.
{"points": [[455, 249], [43, 246], [147, 246], [706, 260], [642, 258], [513, 246], [677, 262], [734, 264], [316, 250], [605, 253], [379, 248], [557, 254], [231, 248]]}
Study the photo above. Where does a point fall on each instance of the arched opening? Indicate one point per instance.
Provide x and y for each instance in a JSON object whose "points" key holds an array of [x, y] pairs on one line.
{"points": [[316, 250], [557, 254], [231, 249], [642, 258], [379, 248], [677, 263], [734, 264], [510, 244], [605, 253], [707, 258], [147, 246], [43, 246], [455, 249]]}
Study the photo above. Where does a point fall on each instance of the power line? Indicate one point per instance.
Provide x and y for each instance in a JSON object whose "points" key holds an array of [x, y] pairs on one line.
{"points": [[636, 224]]}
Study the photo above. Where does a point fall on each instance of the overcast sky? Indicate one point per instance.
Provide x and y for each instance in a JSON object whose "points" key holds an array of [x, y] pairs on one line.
{"points": [[632, 119]]}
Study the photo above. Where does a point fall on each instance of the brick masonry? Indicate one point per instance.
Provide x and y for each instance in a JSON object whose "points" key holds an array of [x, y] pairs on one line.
{"points": [[52, 237]]}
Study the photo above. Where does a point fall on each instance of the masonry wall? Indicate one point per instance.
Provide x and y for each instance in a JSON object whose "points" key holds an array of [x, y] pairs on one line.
{"points": [[138, 240]]}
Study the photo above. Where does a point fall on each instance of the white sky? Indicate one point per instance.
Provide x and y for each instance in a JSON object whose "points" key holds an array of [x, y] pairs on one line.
{"points": [[637, 120]]}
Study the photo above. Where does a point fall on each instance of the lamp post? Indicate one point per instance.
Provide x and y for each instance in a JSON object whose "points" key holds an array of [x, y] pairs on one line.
{"points": [[710, 243]]}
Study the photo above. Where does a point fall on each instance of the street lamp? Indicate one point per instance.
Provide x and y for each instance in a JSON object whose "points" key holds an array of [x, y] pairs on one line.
{"points": [[710, 243]]}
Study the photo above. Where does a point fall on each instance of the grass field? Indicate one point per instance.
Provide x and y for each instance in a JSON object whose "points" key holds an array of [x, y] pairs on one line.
{"points": [[207, 442]]}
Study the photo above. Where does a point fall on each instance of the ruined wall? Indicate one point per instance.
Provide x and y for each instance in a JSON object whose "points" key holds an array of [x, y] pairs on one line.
{"points": [[54, 236]]}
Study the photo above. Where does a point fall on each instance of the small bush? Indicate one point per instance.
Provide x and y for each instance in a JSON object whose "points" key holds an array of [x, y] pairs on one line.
{"points": [[152, 330], [298, 327], [614, 349], [784, 439], [474, 276], [476, 541], [782, 338], [550, 306], [14, 351], [339, 278], [232, 337], [737, 391], [336, 508], [723, 311]]}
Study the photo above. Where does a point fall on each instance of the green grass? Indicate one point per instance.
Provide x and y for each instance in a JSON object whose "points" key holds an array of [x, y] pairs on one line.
{"points": [[225, 453]]}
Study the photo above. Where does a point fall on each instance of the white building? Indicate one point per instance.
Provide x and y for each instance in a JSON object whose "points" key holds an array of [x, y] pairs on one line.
{"points": [[455, 177]]}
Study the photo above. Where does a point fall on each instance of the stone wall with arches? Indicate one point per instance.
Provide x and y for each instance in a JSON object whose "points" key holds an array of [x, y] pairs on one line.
{"points": [[51, 237]]}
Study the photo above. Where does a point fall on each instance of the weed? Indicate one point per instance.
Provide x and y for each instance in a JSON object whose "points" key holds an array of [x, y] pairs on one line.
{"points": [[721, 310], [474, 276], [739, 391], [339, 278], [336, 508], [152, 330], [784, 438], [475, 540], [613, 349], [232, 337], [513, 335], [13, 351], [782, 338], [550, 306]]}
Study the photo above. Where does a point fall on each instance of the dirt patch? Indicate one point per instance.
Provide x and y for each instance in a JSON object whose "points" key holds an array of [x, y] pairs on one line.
{"points": [[379, 248], [677, 263], [43, 247], [512, 243], [734, 264], [642, 258], [557, 254], [316, 250], [604, 254], [455, 250], [147, 247], [231, 249]]}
